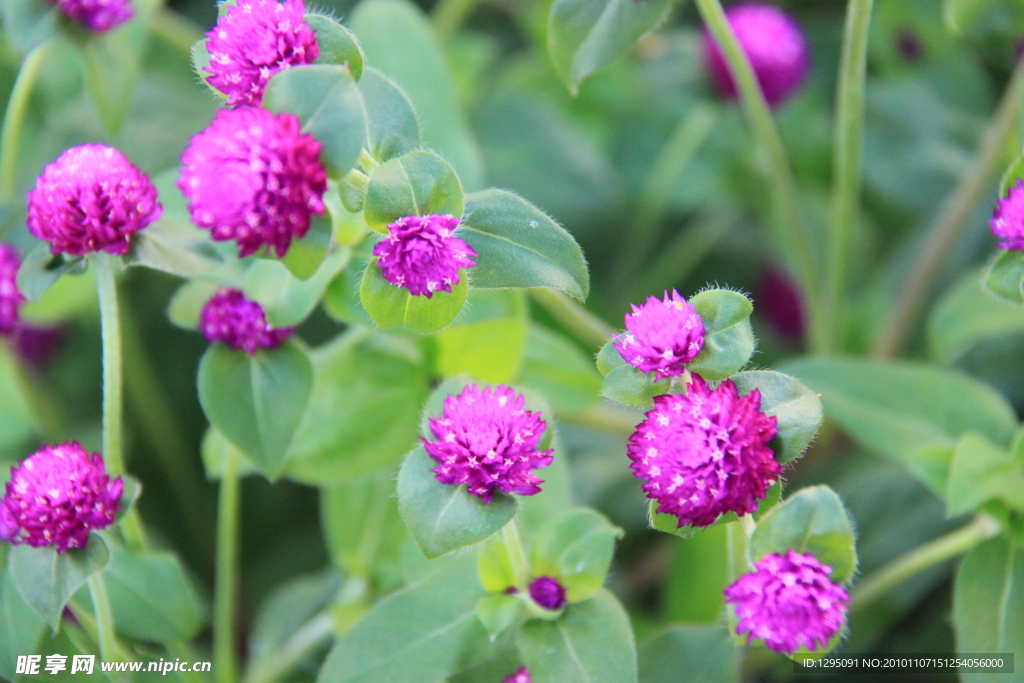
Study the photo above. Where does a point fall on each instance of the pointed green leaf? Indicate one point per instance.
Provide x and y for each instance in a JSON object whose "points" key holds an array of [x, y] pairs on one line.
{"points": [[797, 410], [980, 472], [1005, 277], [46, 580], [336, 43], [40, 269], [394, 127], [414, 184], [21, 629]]}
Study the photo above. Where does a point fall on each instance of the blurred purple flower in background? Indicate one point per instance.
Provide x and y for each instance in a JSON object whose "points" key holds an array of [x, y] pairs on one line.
{"points": [[96, 15], [232, 319]]}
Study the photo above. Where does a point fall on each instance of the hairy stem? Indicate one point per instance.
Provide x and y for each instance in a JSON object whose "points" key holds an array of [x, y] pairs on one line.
{"points": [[951, 222], [104, 617], [846, 190], [581, 322], [14, 117], [930, 554], [226, 587]]}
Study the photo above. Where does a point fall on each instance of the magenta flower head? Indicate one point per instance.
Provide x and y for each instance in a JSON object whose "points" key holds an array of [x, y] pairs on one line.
{"points": [[547, 592], [422, 254], [96, 15], [705, 453], [57, 496], [91, 199], [488, 441], [662, 335], [775, 46], [252, 176], [232, 319], [789, 602], [521, 676], [1007, 222], [255, 40], [10, 296]]}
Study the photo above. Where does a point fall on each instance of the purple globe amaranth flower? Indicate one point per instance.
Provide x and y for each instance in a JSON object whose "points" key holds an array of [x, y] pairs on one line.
{"points": [[253, 41], [705, 453], [521, 676], [96, 15], [1007, 221], [775, 46], [57, 496], [36, 345], [662, 336], [789, 602], [91, 199], [252, 176], [230, 318], [488, 441], [10, 296], [422, 254], [547, 592]]}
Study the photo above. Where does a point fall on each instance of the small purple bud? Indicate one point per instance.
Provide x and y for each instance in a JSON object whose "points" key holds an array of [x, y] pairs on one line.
{"points": [[422, 254], [1007, 221], [98, 16], [662, 336], [36, 345], [521, 676], [780, 302], [775, 46], [232, 319], [91, 199], [254, 40], [909, 45], [789, 602], [486, 440], [56, 496], [11, 298], [547, 592]]}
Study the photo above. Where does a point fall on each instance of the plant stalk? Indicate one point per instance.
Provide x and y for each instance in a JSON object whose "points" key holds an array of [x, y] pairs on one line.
{"points": [[14, 117], [587, 327], [930, 554], [848, 146], [104, 617], [226, 587], [516, 555], [951, 221]]}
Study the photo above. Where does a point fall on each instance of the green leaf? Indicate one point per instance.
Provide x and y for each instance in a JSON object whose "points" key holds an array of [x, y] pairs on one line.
{"points": [[627, 385], [46, 580], [256, 401], [215, 449], [494, 565], [394, 128], [609, 358], [728, 338], [814, 521], [488, 340], [1005, 277], [287, 609], [1013, 175], [287, 300], [558, 369], [368, 390], [441, 517], [797, 410], [18, 423], [361, 523], [591, 643], [979, 19], [337, 44], [423, 633], [981, 472], [988, 603], [705, 653], [28, 23], [131, 490], [910, 412], [175, 248], [414, 184], [187, 303], [392, 306], [200, 62], [40, 269], [327, 101], [698, 575], [576, 548], [584, 36], [498, 612], [306, 255], [965, 315], [21, 629], [400, 41], [151, 597], [518, 245]]}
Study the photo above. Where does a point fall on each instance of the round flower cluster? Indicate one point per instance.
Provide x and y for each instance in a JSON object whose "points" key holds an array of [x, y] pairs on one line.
{"points": [[57, 496], [253, 41], [486, 440], [789, 602], [521, 676], [775, 46], [254, 177], [705, 453], [547, 592], [1008, 219], [662, 335], [96, 15], [91, 199], [10, 297], [232, 319], [422, 254]]}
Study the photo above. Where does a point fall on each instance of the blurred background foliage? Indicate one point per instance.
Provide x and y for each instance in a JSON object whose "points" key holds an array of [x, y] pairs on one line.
{"points": [[588, 161]]}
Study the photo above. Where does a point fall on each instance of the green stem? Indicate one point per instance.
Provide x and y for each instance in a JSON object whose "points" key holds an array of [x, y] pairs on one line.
{"points": [[109, 648], [786, 220], [689, 134], [951, 221], [182, 650], [848, 146], [588, 327], [516, 555], [224, 655], [175, 30], [930, 554], [736, 550], [14, 117], [606, 417], [47, 412], [748, 525], [314, 633], [449, 15]]}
